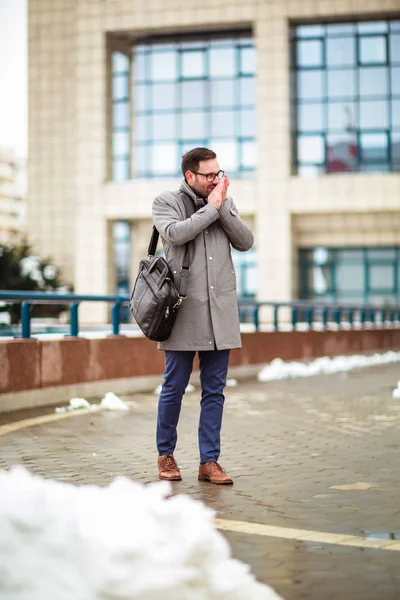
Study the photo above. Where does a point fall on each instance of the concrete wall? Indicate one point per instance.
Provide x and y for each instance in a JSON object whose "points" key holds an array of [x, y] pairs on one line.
{"points": [[34, 372]]}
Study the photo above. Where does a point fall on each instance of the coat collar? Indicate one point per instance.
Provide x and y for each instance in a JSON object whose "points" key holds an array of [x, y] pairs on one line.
{"points": [[184, 187]]}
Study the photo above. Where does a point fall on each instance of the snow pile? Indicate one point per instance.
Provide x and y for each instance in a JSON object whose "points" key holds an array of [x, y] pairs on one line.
{"points": [[278, 369], [74, 404], [396, 391], [122, 542], [112, 402]]}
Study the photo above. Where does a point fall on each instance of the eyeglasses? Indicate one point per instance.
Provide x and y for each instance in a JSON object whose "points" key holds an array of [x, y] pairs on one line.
{"points": [[211, 176]]}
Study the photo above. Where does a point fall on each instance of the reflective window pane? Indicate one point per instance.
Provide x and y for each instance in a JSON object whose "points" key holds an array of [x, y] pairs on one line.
{"points": [[374, 147], [248, 61], [163, 126], [341, 115], [310, 85], [396, 113], [340, 52], [307, 31], [349, 277], [223, 123], [120, 144], [381, 253], [119, 63], [309, 53], [395, 26], [310, 117], [163, 96], [395, 143], [121, 116], [223, 92], [394, 42], [228, 153], [372, 50], [310, 149], [395, 80], [373, 81], [248, 123], [163, 66], [141, 97], [120, 87], [139, 66], [381, 277], [193, 64], [193, 125], [141, 129], [372, 27], [341, 153], [142, 161], [222, 62], [193, 94], [374, 114], [341, 84], [120, 170], [337, 29], [164, 159], [248, 91], [249, 155]]}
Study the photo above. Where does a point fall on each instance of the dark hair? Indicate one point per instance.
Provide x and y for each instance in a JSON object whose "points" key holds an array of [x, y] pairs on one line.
{"points": [[190, 160]]}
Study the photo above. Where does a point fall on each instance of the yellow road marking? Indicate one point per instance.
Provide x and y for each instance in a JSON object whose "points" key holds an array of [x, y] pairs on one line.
{"points": [[304, 535], [10, 427]]}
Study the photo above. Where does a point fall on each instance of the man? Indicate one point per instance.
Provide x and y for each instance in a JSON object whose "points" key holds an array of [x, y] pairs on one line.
{"points": [[208, 320]]}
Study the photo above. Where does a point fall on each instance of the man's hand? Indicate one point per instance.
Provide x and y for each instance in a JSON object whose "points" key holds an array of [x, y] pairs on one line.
{"points": [[218, 196]]}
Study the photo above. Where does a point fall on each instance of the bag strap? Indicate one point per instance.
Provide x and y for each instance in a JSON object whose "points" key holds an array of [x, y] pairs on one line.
{"points": [[190, 210]]}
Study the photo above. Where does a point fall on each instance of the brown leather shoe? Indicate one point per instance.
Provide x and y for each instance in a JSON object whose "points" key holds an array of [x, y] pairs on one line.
{"points": [[214, 473], [168, 469]]}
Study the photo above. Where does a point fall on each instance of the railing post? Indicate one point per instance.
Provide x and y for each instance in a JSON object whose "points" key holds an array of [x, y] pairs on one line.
{"points": [[74, 325], [276, 320], [256, 317], [362, 317], [351, 318], [115, 317], [294, 317], [26, 319], [338, 316], [310, 316], [372, 316], [383, 316], [325, 317]]}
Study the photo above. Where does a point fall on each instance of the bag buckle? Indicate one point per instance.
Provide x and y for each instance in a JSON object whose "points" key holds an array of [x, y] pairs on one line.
{"points": [[179, 302]]}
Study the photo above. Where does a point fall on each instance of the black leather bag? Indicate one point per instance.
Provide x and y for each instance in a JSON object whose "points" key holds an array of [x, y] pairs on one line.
{"points": [[155, 300]]}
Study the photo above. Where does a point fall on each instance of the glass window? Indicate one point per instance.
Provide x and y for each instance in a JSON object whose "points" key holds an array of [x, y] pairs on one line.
{"points": [[120, 87], [395, 48], [310, 85], [372, 50], [373, 81], [395, 142], [119, 63], [340, 52], [381, 277], [248, 61], [310, 53], [121, 116], [374, 114], [341, 153], [310, 148], [341, 84], [382, 253], [341, 115], [372, 27], [396, 113], [307, 31], [196, 93], [223, 92], [349, 277], [222, 62], [193, 64], [374, 147], [193, 94], [339, 29], [120, 169], [120, 144], [395, 80], [163, 66], [311, 117]]}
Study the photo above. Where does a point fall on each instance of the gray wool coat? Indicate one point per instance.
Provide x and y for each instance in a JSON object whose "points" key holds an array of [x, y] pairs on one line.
{"points": [[209, 316]]}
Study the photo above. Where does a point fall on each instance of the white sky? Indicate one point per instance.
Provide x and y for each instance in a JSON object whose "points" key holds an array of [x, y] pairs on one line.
{"points": [[13, 76]]}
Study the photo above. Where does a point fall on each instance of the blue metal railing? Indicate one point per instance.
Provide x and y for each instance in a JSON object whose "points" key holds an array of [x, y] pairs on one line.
{"points": [[301, 311]]}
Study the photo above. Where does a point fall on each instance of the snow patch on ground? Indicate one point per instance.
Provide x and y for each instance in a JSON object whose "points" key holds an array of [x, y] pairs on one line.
{"points": [[110, 402], [126, 541], [396, 391], [278, 369]]}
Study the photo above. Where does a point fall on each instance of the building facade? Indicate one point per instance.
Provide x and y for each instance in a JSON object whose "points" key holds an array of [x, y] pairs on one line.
{"points": [[12, 197], [299, 98]]}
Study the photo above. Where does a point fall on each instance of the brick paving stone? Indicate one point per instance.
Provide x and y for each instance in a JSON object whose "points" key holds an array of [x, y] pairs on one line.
{"points": [[287, 444]]}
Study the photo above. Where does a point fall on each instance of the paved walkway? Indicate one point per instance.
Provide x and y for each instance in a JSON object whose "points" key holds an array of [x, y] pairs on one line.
{"points": [[315, 509]]}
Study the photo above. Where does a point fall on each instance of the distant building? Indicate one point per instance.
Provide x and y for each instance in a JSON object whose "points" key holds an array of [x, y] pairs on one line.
{"points": [[300, 100], [12, 197]]}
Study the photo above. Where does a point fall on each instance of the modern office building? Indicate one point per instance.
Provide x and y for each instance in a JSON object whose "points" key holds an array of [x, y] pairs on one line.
{"points": [[12, 197], [299, 98]]}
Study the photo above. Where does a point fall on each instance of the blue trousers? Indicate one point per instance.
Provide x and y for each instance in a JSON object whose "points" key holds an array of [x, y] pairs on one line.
{"points": [[213, 372]]}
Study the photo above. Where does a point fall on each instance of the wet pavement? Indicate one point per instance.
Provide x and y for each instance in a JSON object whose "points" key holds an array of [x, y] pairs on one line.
{"points": [[319, 455]]}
